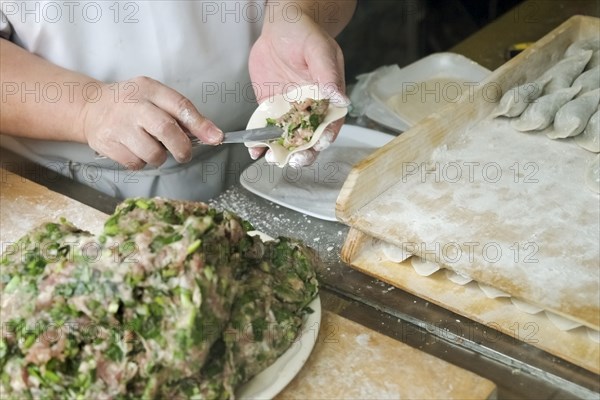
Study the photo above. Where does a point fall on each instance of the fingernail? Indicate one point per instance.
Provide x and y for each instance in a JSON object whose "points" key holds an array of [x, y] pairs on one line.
{"points": [[336, 97], [213, 134], [339, 99]]}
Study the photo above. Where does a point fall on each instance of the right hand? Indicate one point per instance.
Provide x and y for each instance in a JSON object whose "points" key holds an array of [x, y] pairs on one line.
{"points": [[146, 119]]}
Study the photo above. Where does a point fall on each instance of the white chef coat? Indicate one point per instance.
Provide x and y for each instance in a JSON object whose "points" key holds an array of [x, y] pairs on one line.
{"points": [[198, 48]]}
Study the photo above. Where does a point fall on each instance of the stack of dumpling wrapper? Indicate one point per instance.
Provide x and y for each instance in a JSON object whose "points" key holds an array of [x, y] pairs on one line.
{"points": [[563, 102]]}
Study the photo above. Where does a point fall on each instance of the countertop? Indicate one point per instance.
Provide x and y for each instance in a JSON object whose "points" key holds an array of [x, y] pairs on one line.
{"points": [[519, 370]]}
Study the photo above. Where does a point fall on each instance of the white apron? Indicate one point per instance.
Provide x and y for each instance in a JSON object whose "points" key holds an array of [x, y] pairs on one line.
{"points": [[199, 48]]}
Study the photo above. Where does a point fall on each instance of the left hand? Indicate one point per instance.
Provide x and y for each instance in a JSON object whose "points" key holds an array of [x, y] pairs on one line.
{"points": [[297, 53]]}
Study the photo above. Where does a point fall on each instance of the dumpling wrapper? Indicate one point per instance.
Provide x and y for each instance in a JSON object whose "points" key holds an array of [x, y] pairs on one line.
{"points": [[516, 100], [394, 253], [526, 307], [563, 73], [278, 105], [562, 323], [457, 277], [541, 112], [590, 138], [589, 80], [593, 335], [492, 292], [592, 175], [572, 118], [424, 267]]}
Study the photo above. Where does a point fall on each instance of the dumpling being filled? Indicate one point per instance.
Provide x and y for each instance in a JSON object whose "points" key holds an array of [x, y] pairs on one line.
{"points": [[590, 138], [540, 113], [516, 100], [563, 73], [572, 118], [589, 80]]}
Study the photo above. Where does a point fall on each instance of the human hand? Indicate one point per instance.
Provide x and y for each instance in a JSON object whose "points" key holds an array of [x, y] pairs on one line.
{"points": [[297, 53], [145, 121]]}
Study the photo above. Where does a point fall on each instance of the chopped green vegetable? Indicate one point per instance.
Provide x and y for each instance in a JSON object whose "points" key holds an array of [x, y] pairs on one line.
{"points": [[300, 122], [152, 315]]}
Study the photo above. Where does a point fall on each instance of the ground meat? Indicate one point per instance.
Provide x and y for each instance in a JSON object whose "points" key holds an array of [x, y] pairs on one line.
{"points": [[300, 122], [153, 313]]}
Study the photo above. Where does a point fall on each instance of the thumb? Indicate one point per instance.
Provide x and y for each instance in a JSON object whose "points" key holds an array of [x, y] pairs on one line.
{"points": [[325, 63]]}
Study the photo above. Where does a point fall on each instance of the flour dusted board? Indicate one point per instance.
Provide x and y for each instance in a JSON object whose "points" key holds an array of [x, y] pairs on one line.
{"points": [[25, 204], [508, 209], [351, 362]]}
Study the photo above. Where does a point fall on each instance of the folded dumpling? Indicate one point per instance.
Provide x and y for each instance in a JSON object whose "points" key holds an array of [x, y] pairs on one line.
{"points": [[541, 112], [571, 119], [516, 100], [594, 61], [563, 73], [590, 138], [589, 80], [581, 45]]}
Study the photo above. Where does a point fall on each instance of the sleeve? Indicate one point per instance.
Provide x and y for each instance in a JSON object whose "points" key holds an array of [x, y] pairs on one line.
{"points": [[5, 26]]}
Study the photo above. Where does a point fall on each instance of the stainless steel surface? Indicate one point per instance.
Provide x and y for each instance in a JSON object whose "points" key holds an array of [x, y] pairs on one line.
{"points": [[519, 369]]}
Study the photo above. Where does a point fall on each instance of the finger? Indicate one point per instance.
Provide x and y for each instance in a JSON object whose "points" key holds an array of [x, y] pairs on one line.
{"points": [[121, 154], [167, 131], [270, 157], [325, 140], [182, 109], [145, 147], [256, 152], [326, 66], [303, 158], [335, 128], [336, 97]]}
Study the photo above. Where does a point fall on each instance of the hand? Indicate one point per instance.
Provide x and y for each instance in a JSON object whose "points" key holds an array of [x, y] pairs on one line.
{"points": [[299, 53], [146, 119]]}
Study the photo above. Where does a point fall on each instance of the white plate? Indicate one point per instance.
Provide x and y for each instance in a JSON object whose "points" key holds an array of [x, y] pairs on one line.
{"points": [[313, 190], [274, 379], [449, 70]]}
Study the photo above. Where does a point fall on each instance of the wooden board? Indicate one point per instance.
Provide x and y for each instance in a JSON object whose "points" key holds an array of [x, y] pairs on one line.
{"points": [[365, 253], [25, 204], [343, 347], [350, 362], [565, 279]]}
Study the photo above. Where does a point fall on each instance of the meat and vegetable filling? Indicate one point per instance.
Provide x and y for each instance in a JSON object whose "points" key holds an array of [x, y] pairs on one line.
{"points": [[300, 122], [172, 300]]}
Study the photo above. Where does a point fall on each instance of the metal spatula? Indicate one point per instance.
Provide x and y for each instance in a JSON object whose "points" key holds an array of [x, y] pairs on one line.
{"points": [[248, 135]]}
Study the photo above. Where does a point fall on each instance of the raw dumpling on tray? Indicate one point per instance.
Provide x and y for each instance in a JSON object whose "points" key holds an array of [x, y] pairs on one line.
{"points": [[540, 114], [562, 103], [572, 118]]}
